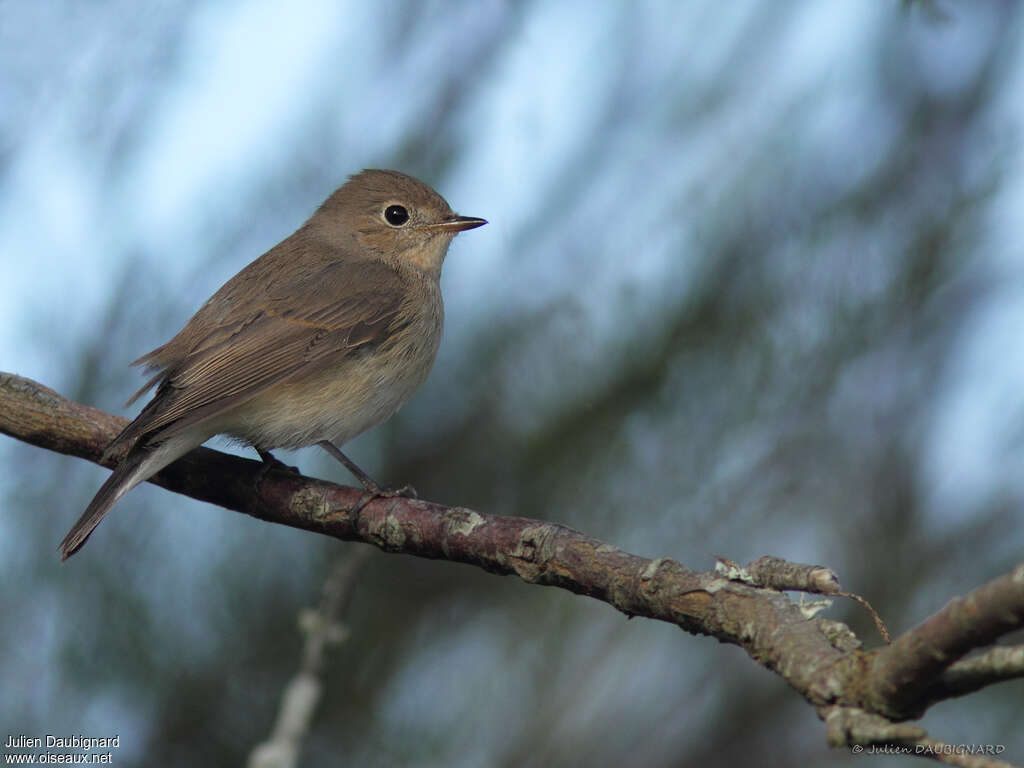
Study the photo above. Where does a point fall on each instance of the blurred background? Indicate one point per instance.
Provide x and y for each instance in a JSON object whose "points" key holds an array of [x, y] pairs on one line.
{"points": [[753, 284]]}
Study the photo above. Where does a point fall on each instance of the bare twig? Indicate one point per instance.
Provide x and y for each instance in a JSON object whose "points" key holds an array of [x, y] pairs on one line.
{"points": [[323, 628], [903, 675], [996, 665], [776, 573]]}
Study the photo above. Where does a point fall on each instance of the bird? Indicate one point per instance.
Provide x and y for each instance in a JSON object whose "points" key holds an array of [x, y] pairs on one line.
{"points": [[321, 338]]}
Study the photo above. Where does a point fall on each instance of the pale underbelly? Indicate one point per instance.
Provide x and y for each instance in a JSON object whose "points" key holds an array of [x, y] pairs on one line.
{"points": [[335, 404]]}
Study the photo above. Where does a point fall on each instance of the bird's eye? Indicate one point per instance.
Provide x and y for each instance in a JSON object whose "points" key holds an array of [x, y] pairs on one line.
{"points": [[396, 215]]}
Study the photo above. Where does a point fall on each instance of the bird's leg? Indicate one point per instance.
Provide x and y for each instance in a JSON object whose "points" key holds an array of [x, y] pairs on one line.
{"points": [[368, 482]]}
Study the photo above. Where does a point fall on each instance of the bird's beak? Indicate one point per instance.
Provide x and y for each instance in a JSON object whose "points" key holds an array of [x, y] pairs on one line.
{"points": [[456, 224]]}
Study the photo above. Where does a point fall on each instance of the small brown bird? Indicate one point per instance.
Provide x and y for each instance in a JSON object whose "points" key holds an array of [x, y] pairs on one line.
{"points": [[322, 337]]}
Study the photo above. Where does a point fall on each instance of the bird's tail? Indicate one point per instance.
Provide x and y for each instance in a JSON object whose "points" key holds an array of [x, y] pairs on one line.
{"points": [[141, 463]]}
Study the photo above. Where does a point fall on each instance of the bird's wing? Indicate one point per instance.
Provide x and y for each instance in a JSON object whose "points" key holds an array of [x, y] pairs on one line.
{"points": [[298, 326]]}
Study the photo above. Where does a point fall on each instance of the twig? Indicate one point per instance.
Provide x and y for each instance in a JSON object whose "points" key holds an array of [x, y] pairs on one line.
{"points": [[904, 674], [298, 702]]}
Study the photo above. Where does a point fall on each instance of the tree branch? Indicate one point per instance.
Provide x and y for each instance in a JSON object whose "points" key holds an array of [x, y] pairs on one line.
{"points": [[996, 665], [821, 659], [904, 675]]}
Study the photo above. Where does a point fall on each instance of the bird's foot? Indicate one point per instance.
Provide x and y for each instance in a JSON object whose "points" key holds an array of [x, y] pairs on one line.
{"points": [[374, 491], [270, 464]]}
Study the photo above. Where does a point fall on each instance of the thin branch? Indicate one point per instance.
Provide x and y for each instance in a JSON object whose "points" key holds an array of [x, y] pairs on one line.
{"points": [[323, 628], [776, 573], [903, 675], [996, 665]]}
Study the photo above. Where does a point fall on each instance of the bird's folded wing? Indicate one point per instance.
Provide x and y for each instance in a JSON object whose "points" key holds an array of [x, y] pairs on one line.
{"points": [[244, 355]]}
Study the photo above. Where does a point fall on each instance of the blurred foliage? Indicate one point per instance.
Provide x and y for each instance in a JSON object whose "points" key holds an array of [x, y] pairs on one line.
{"points": [[730, 311]]}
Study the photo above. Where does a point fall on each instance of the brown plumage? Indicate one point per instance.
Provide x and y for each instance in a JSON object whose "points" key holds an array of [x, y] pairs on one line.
{"points": [[321, 338]]}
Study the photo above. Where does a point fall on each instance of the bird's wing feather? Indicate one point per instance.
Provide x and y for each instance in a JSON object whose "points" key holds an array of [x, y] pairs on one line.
{"points": [[343, 308]]}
